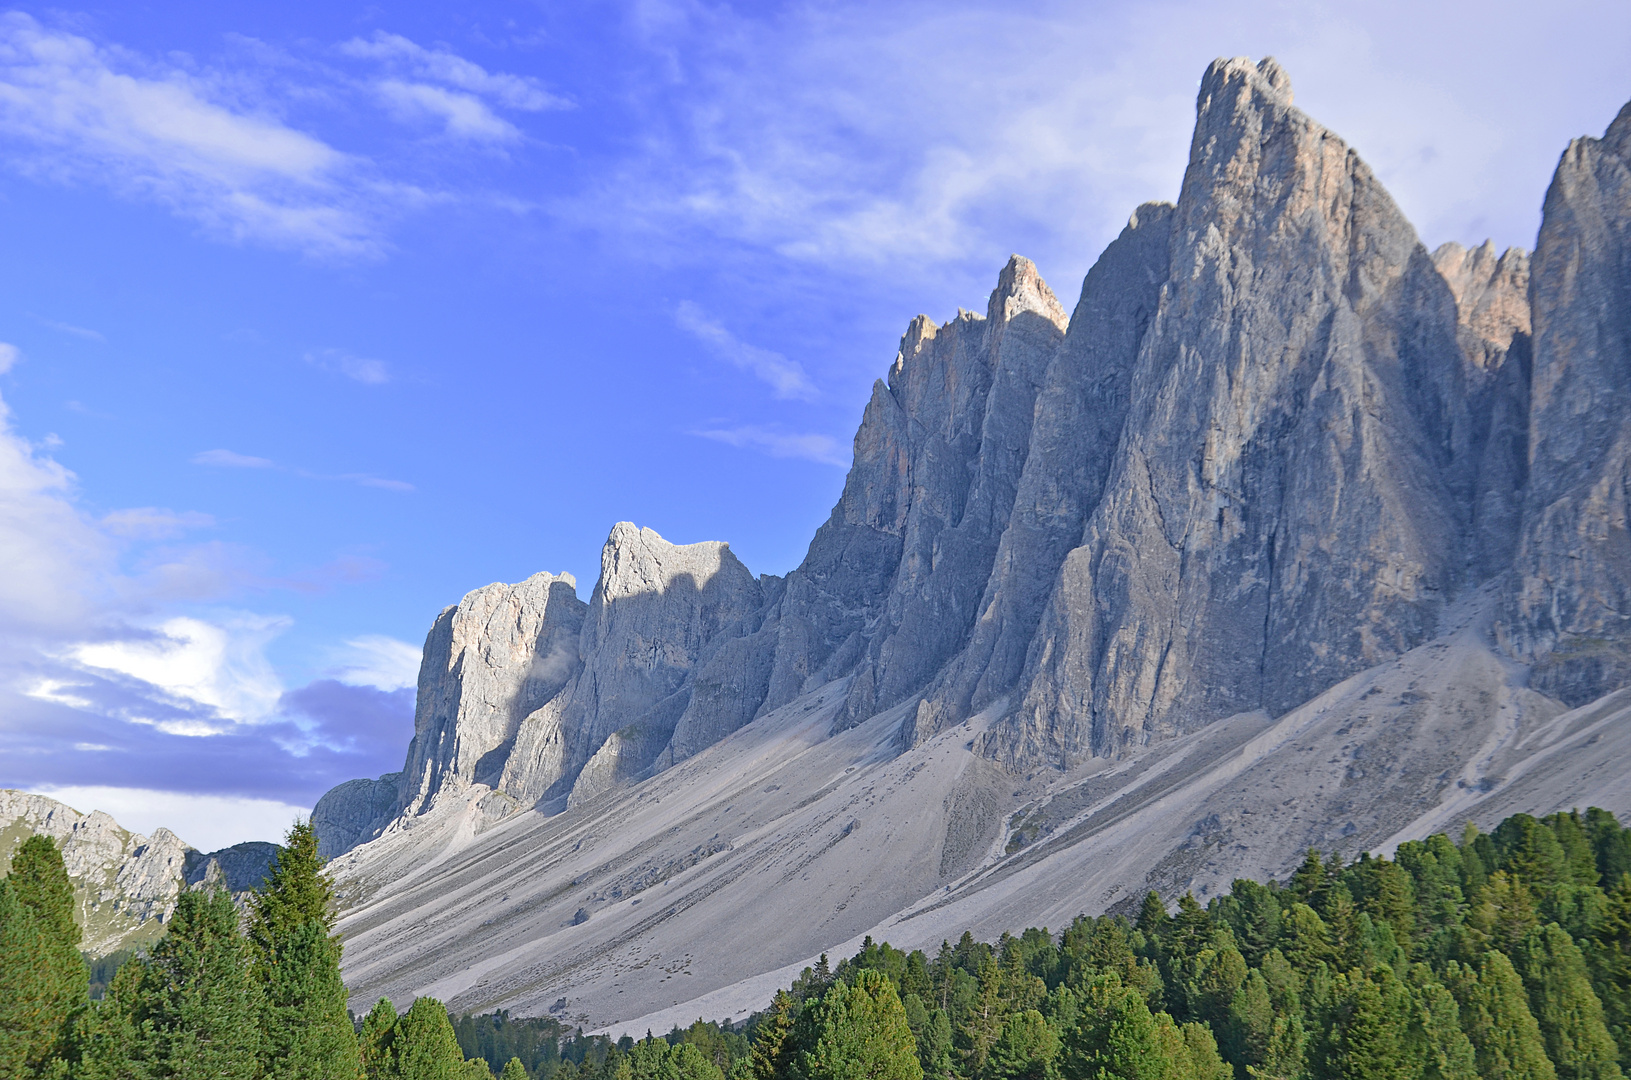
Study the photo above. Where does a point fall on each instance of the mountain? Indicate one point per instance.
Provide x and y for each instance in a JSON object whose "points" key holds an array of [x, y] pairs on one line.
{"points": [[125, 884], [1293, 533]]}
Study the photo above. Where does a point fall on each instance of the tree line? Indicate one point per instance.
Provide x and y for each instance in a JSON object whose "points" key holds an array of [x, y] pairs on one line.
{"points": [[1504, 956]]}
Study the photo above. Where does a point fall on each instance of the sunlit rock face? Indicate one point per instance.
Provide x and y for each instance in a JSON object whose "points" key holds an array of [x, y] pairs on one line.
{"points": [[1277, 442]]}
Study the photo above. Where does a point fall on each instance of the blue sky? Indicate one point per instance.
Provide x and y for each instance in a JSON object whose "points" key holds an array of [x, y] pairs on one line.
{"points": [[319, 316]]}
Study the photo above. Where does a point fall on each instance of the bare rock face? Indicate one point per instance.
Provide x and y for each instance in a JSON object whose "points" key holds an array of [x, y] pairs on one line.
{"points": [[1077, 422], [1287, 502], [1274, 443], [498, 656], [893, 580], [1572, 614], [658, 610], [1492, 302]]}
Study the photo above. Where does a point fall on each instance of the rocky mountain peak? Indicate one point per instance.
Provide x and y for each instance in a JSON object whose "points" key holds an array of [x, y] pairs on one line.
{"points": [[1020, 288]]}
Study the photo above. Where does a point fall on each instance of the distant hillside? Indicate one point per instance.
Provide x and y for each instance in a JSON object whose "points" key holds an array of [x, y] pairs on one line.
{"points": [[125, 884]]}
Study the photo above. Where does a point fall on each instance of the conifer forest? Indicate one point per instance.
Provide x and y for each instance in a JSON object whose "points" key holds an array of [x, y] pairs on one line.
{"points": [[1503, 956]]}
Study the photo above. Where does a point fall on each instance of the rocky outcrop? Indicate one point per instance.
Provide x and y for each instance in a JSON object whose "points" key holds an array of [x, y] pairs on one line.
{"points": [[489, 663], [1572, 612], [125, 884], [1275, 441]]}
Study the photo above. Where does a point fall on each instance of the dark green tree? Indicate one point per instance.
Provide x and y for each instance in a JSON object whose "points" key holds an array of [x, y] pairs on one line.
{"points": [[1565, 1006], [201, 1005], [1494, 1012], [1114, 1038], [774, 1051], [860, 1033], [43, 980], [423, 1046], [110, 1041], [307, 1033], [376, 1039], [1026, 1049]]}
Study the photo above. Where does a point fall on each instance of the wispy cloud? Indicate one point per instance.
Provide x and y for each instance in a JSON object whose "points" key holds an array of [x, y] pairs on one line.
{"points": [[785, 377], [74, 110], [378, 661], [361, 369], [76, 331], [438, 85], [9, 355], [782, 444], [228, 459], [153, 523]]}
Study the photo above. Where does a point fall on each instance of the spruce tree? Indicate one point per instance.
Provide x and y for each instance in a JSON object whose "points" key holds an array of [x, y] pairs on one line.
{"points": [[1611, 965], [375, 1040], [513, 1070], [110, 1040], [1114, 1038], [1494, 1012], [860, 1033], [201, 1006], [423, 1046], [1025, 1050], [307, 1030], [1367, 1035], [1436, 1040], [773, 1048], [43, 982], [1565, 1006]]}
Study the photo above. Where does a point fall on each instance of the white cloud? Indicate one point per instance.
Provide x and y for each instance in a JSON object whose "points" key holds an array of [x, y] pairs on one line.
{"points": [[55, 560], [207, 822], [440, 65], [231, 460], [9, 355], [220, 664], [378, 661], [76, 331], [72, 109], [464, 116], [785, 377], [153, 523], [820, 448], [357, 368]]}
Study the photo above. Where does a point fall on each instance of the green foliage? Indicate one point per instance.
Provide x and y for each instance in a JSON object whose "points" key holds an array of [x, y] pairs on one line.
{"points": [[1565, 1006], [43, 981], [513, 1070], [307, 1032], [200, 1005], [423, 1046], [859, 1032]]}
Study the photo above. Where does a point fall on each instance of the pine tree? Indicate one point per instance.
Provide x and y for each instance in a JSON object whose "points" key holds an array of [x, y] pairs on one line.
{"points": [[513, 1070], [1025, 1050], [375, 1041], [201, 1004], [1250, 1025], [773, 1048], [42, 977], [860, 1033], [1114, 1038], [1611, 965], [1437, 1041], [1494, 1012], [423, 1046], [1366, 1040], [109, 1042], [1565, 1006], [307, 1031], [1200, 1058]]}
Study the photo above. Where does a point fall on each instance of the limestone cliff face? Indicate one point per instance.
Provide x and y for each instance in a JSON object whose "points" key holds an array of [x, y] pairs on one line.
{"points": [[657, 612], [893, 580], [498, 656], [1274, 440], [1572, 612]]}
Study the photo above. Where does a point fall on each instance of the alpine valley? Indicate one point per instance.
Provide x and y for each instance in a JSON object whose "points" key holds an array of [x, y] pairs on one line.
{"points": [[1291, 533]]}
